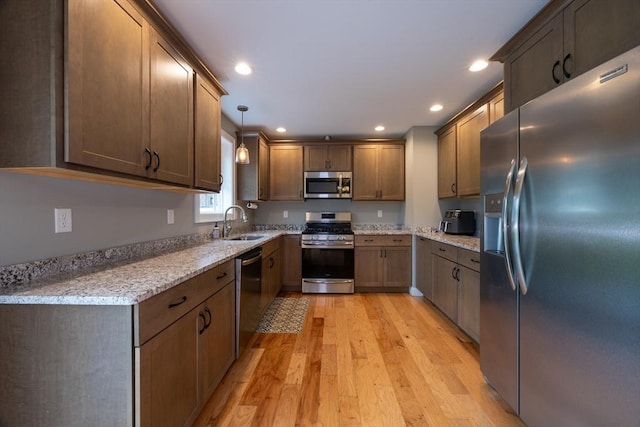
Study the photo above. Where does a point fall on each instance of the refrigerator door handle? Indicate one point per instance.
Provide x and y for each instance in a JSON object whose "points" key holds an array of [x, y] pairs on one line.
{"points": [[515, 226], [505, 224]]}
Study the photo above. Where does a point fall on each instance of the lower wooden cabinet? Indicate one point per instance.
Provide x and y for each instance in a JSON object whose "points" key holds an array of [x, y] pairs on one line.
{"points": [[152, 364], [382, 263], [271, 273], [424, 277], [291, 264], [456, 285]]}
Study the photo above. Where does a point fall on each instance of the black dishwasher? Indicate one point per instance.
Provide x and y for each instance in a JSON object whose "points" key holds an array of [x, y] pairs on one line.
{"points": [[248, 291]]}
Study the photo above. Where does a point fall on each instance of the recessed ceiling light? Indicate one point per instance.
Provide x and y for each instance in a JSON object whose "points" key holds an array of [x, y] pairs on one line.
{"points": [[379, 128], [243, 68], [479, 65], [281, 130], [436, 107]]}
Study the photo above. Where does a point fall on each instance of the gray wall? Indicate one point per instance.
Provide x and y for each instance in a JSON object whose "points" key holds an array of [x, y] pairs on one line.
{"points": [[103, 216]]}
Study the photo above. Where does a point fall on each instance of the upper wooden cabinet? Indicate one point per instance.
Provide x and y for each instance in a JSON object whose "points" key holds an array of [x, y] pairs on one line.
{"points": [[459, 146], [130, 95], [565, 39], [207, 136], [335, 158], [108, 89], [253, 179], [378, 172], [109, 95], [285, 172]]}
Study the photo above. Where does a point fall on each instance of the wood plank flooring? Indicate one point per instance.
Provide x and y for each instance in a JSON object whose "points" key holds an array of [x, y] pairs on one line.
{"points": [[361, 360]]}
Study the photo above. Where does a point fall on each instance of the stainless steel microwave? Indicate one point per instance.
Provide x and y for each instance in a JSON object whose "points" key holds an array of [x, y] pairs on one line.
{"points": [[327, 185]]}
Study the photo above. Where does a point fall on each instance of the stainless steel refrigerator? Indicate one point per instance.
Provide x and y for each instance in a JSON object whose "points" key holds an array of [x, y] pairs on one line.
{"points": [[560, 252]]}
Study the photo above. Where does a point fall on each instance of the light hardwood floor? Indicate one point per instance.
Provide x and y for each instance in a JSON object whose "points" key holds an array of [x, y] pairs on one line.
{"points": [[361, 360]]}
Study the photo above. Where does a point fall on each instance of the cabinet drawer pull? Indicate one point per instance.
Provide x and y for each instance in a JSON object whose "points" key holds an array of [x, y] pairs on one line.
{"points": [[442, 250], [368, 240], [204, 323], [148, 165], [177, 302], [222, 276], [475, 261], [207, 322], [564, 66], [553, 72], [157, 156]]}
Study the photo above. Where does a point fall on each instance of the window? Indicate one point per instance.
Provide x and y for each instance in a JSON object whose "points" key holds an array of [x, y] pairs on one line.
{"points": [[210, 207]]}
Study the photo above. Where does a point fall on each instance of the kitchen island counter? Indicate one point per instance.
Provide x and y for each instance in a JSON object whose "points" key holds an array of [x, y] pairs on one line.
{"points": [[130, 282]]}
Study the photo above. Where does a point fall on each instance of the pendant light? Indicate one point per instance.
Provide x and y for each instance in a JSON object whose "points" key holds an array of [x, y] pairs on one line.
{"points": [[242, 154]]}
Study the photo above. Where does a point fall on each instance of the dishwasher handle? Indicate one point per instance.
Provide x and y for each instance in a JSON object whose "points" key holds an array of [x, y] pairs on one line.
{"points": [[252, 260]]}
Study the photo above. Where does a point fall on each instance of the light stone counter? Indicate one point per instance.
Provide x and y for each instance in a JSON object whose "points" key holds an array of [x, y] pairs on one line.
{"points": [[132, 282], [465, 242]]}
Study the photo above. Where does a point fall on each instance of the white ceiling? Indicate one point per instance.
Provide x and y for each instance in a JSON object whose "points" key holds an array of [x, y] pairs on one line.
{"points": [[341, 67]]}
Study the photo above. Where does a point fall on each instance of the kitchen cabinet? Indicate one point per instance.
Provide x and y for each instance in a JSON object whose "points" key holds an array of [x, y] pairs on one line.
{"points": [[456, 286], [153, 363], [253, 178], [208, 131], [445, 281], [336, 158], [469, 296], [271, 273], [378, 172], [459, 146], [131, 106], [424, 280], [109, 95], [291, 263], [382, 262], [285, 172], [563, 41]]}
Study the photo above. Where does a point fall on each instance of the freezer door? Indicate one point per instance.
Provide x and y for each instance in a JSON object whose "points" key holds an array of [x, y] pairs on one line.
{"points": [[580, 240], [498, 300]]}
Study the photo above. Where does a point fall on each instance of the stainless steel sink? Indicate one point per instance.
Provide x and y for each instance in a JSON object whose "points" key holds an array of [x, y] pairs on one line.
{"points": [[247, 237]]}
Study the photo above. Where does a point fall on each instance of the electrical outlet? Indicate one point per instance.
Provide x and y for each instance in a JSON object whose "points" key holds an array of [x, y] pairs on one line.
{"points": [[62, 220], [380, 214], [170, 216], [285, 214]]}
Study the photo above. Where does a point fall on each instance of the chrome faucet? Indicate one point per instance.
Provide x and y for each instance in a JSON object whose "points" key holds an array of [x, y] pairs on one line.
{"points": [[226, 228]]}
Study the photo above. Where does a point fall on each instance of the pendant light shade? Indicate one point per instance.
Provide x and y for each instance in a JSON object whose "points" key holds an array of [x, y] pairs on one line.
{"points": [[242, 154]]}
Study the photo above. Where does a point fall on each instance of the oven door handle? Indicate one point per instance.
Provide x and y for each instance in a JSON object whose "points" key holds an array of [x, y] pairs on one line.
{"points": [[322, 245], [327, 281]]}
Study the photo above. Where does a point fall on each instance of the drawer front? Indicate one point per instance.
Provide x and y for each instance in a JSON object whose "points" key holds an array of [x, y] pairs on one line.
{"points": [[445, 251], [394, 240], [270, 247], [160, 311], [469, 259]]}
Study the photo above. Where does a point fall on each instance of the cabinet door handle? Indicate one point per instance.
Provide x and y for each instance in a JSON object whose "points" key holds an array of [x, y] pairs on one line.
{"points": [[148, 165], [553, 72], [300, 193], [453, 273], [271, 262], [564, 66], [157, 156], [260, 192], [458, 274], [222, 276], [208, 322], [221, 179], [204, 323], [453, 188], [177, 302]]}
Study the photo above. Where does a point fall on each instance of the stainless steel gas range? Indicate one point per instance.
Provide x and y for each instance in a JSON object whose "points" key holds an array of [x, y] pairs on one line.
{"points": [[327, 253]]}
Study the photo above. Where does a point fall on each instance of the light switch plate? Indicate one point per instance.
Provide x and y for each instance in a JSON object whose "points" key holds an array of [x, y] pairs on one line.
{"points": [[170, 216], [285, 214], [380, 214]]}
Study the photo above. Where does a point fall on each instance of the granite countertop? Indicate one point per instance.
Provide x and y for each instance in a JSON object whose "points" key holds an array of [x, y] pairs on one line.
{"points": [[471, 243], [131, 282]]}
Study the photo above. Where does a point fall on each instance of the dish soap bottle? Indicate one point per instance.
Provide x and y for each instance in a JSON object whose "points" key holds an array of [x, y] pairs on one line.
{"points": [[216, 232]]}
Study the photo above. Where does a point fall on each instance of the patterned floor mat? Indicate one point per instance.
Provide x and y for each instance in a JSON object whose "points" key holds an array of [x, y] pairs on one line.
{"points": [[284, 316]]}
